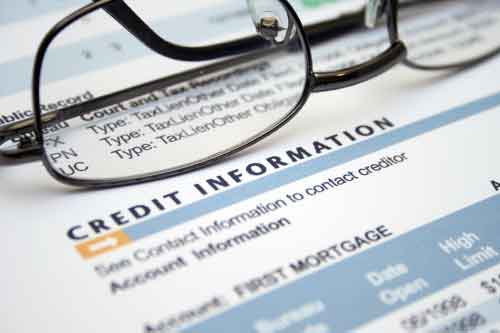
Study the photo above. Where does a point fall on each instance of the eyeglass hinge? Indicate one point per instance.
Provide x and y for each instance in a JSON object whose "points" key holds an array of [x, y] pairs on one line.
{"points": [[26, 147]]}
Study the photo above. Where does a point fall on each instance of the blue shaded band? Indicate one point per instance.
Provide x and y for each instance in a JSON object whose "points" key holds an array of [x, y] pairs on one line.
{"points": [[305, 169]]}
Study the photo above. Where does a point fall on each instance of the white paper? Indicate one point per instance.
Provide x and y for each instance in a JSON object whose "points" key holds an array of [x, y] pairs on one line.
{"points": [[411, 148]]}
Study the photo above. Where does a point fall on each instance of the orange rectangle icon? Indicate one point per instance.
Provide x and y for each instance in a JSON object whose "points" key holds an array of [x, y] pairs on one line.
{"points": [[103, 244]]}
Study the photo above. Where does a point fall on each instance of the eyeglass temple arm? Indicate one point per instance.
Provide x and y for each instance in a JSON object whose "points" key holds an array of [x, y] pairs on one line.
{"points": [[123, 14], [317, 32]]}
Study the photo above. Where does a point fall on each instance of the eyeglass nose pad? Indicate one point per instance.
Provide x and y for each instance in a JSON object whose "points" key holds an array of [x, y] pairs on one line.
{"points": [[271, 20], [373, 13]]}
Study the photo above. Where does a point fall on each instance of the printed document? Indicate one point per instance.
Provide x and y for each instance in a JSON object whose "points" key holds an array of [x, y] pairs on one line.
{"points": [[376, 209]]}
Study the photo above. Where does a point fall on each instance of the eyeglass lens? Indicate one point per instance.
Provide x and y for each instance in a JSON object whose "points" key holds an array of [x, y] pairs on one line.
{"points": [[196, 111]]}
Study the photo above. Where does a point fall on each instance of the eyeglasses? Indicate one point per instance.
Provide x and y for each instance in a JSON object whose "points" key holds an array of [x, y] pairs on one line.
{"points": [[123, 95]]}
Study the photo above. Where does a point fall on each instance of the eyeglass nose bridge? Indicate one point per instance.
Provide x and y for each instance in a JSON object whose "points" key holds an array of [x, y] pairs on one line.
{"points": [[326, 81], [395, 54]]}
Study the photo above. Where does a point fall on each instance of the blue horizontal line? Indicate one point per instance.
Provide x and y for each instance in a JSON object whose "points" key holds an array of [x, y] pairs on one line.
{"points": [[305, 169]]}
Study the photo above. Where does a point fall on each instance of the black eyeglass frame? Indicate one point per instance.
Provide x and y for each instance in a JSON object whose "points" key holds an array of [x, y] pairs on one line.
{"points": [[315, 81]]}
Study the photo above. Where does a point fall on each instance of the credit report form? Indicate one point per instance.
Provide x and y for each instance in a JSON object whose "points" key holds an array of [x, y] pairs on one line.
{"points": [[382, 215]]}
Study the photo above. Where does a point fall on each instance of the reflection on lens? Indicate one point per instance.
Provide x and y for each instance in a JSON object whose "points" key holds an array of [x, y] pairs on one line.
{"points": [[178, 114], [441, 33]]}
